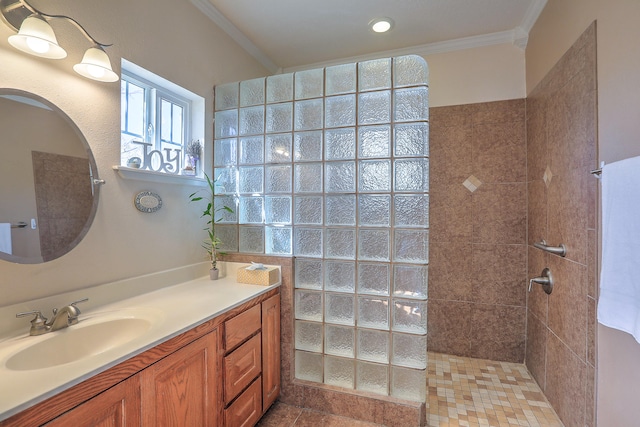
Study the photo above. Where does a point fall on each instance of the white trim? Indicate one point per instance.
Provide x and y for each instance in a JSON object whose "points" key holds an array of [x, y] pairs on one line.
{"points": [[532, 14], [238, 36], [157, 177]]}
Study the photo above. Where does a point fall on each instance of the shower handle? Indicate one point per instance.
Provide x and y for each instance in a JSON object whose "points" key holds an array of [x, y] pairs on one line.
{"points": [[545, 279]]}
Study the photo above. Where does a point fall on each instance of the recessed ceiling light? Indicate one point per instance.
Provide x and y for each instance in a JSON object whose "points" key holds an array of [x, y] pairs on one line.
{"points": [[381, 25]]}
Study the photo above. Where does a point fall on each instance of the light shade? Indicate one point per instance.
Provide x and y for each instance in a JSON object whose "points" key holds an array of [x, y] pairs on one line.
{"points": [[95, 65], [36, 37]]}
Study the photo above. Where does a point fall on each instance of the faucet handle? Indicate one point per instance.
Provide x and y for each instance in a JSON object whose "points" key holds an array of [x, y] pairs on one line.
{"points": [[38, 324], [78, 302]]}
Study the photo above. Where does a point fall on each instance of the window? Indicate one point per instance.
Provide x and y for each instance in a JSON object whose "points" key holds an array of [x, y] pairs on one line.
{"points": [[157, 121]]}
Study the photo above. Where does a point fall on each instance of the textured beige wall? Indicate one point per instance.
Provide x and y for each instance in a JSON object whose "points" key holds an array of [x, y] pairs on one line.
{"points": [[170, 38], [618, 52]]}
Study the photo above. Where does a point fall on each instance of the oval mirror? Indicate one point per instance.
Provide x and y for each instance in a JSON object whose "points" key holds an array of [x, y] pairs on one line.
{"points": [[47, 196]]}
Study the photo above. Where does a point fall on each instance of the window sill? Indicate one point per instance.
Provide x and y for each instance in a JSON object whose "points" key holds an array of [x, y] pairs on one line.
{"points": [[159, 177]]}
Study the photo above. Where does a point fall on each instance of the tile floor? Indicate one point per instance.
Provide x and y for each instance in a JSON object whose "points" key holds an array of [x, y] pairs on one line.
{"points": [[461, 392]]}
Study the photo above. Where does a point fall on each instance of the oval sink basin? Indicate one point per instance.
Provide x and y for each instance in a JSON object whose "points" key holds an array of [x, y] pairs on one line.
{"points": [[78, 342]]}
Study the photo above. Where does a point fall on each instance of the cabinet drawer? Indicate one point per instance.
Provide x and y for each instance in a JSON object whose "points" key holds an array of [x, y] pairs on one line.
{"points": [[240, 327], [241, 367], [247, 409]]}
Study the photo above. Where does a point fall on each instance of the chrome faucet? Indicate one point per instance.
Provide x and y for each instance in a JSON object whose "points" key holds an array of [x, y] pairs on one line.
{"points": [[62, 318]]}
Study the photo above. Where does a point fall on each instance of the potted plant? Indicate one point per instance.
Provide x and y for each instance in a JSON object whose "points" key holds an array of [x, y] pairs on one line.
{"points": [[212, 243], [192, 155]]}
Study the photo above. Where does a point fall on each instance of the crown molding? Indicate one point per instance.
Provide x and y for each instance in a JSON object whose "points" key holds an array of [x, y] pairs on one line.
{"points": [[532, 14], [238, 36]]}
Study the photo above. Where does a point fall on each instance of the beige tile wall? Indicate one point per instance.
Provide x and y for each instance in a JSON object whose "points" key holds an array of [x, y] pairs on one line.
{"points": [[562, 133], [478, 239]]}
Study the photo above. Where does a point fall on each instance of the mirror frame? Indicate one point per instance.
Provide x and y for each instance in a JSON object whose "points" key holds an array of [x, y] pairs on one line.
{"points": [[94, 176]]}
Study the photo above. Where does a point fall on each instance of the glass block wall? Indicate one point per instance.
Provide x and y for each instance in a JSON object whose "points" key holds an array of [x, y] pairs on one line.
{"points": [[331, 166]]}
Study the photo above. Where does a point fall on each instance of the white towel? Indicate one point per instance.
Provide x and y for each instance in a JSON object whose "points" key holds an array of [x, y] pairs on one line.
{"points": [[5, 237], [619, 303]]}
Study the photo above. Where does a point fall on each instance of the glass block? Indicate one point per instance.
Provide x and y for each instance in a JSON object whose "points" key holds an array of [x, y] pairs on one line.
{"points": [[252, 120], [374, 141], [373, 312], [411, 246], [252, 150], [340, 243], [251, 210], [411, 139], [309, 83], [340, 144], [309, 366], [411, 105], [411, 175], [224, 152], [375, 176], [252, 92], [251, 179], [409, 350], [307, 178], [308, 336], [222, 215], [340, 111], [339, 372], [278, 240], [410, 70], [308, 210], [373, 245], [409, 316], [278, 148], [373, 345], [226, 124], [278, 179], [308, 273], [226, 96], [410, 384], [339, 309], [279, 117], [340, 276], [277, 209], [374, 107], [251, 239], [373, 279], [372, 377], [374, 210], [411, 210], [308, 114], [410, 281], [339, 340], [308, 242], [340, 79], [374, 74], [341, 209], [307, 146], [340, 177], [228, 235], [225, 180], [308, 305], [280, 88]]}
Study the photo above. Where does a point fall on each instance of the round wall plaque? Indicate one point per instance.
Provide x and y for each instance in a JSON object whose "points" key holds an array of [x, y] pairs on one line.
{"points": [[148, 201]]}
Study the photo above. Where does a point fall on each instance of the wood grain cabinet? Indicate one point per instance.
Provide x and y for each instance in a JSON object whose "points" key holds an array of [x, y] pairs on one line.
{"points": [[224, 372]]}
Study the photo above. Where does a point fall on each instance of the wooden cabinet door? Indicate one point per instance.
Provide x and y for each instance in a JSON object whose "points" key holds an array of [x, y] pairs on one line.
{"points": [[181, 389], [118, 406], [270, 351]]}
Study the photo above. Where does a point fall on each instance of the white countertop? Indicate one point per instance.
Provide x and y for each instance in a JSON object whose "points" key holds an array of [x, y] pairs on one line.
{"points": [[173, 310]]}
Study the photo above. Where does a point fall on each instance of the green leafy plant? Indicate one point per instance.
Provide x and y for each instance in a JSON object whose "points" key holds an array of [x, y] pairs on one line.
{"points": [[213, 242]]}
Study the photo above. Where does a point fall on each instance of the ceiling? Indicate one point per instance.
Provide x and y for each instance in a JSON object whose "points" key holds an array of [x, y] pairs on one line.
{"points": [[296, 34]]}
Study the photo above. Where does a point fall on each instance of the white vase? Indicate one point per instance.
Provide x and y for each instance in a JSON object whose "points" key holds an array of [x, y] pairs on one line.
{"points": [[213, 273]]}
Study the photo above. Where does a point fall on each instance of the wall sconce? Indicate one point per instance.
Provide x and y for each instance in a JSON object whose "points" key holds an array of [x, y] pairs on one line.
{"points": [[36, 37]]}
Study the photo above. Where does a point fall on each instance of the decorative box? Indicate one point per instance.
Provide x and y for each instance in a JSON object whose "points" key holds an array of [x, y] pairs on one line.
{"points": [[266, 276]]}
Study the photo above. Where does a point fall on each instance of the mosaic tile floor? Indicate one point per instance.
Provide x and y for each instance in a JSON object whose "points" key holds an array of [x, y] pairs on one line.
{"points": [[461, 392], [475, 392]]}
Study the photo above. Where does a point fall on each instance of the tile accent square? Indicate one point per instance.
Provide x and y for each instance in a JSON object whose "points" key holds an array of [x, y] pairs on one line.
{"points": [[472, 183]]}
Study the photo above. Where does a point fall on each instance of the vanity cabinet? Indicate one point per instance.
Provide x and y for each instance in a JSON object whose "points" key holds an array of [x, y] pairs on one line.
{"points": [[224, 372]]}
